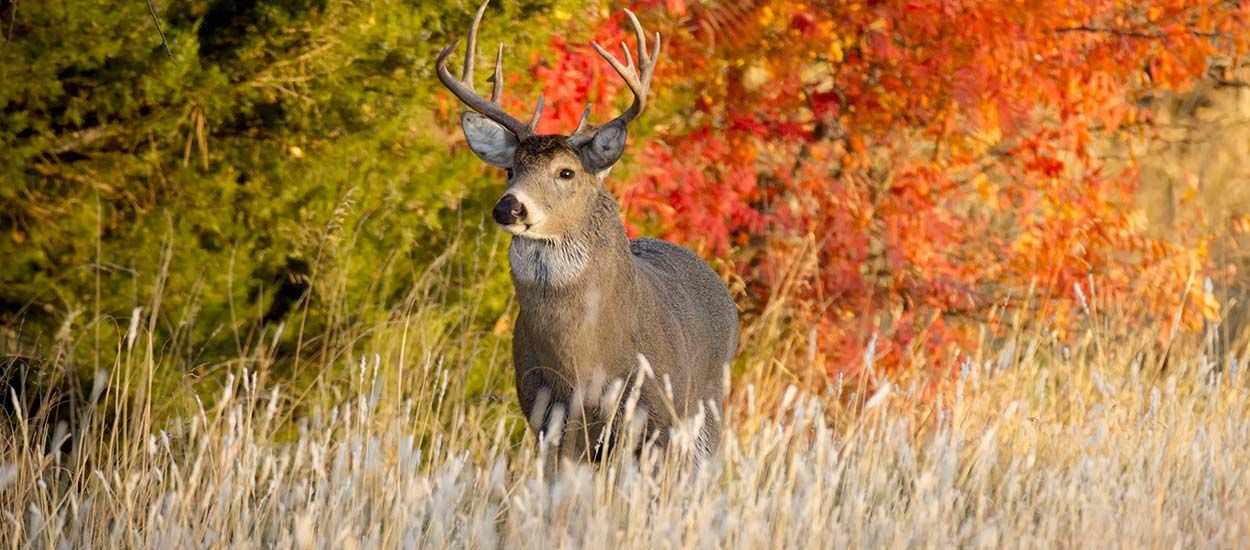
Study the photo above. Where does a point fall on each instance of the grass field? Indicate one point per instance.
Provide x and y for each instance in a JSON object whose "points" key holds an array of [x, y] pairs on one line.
{"points": [[1099, 445], [408, 437]]}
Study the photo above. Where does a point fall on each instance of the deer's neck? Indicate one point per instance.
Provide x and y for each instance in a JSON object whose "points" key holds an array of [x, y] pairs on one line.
{"points": [[576, 296], [547, 263]]}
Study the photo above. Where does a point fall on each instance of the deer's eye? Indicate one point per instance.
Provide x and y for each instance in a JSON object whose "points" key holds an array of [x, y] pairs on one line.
{"points": [[509, 172], [566, 174]]}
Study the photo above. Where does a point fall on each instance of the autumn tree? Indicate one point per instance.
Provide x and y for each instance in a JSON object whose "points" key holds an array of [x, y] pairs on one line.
{"points": [[906, 168]]}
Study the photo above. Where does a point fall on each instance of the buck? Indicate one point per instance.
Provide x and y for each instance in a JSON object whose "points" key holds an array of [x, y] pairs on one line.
{"points": [[597, 308]]}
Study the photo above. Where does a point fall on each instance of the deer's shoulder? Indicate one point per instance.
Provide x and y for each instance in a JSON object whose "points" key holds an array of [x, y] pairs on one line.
{"points": [[649, 248], [676, 265]]}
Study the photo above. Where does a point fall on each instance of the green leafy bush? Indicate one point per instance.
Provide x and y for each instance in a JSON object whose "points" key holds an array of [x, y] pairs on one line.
{"points": [[290, 166]]}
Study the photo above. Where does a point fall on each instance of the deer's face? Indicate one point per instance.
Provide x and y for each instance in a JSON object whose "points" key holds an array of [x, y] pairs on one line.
{"points": [[552, 180], [549, 190]]}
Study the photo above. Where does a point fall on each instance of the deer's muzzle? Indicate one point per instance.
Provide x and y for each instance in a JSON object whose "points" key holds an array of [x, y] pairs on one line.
{"points": [[509, 211]]}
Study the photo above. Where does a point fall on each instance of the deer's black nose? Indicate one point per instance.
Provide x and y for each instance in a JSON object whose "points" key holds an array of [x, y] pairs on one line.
{"points": [[508, 210]]}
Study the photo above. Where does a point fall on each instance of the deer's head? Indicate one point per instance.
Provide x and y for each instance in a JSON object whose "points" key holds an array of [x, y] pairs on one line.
{"points": [[552, 179]]}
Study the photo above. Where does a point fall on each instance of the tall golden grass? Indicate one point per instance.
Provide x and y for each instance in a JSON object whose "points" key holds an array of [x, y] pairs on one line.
{"points": [[1103, 443]]}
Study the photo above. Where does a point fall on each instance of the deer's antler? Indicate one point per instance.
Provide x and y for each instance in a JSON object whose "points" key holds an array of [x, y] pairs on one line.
{"points": [[462, 88], [637, 78]]}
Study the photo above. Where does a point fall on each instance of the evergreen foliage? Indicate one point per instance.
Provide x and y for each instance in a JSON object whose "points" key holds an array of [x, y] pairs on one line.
{"points": [[289, 166]]}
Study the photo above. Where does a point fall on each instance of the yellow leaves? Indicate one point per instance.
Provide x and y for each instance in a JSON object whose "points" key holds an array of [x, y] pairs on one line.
{"points": [[1026, 243], [976, 144], [1137, 220], [767, 16], [1201, 253], [1074, 88], [835, 49], [988, 194], [1241, 224], [561, 14], [295, 152]]}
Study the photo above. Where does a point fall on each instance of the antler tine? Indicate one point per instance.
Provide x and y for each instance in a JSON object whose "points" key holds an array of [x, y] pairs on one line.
{"points": [[629, 59], [655, 54], [470, 51], [581, 124], [638, 78], [626, 73], [496, 80], [538, 112], [462, 87], [639, 35], [472, 100]]}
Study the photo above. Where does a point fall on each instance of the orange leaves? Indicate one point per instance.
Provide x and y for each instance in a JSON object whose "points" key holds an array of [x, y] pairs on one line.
{"points": [[934, 158]]}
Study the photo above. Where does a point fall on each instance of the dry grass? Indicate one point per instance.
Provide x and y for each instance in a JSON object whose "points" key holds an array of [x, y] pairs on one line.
{"points": [[1106, 443], [1097, 445]]}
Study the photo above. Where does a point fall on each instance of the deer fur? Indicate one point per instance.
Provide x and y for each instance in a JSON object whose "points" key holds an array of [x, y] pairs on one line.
{"points": [[606, 323], [591, 301]]}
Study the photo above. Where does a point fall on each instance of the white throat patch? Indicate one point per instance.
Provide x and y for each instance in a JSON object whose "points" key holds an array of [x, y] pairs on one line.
{"points": [[550, 262]]}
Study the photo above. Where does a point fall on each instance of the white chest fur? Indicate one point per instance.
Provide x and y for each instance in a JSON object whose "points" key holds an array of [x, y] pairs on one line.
{"points": [[554, 263]]}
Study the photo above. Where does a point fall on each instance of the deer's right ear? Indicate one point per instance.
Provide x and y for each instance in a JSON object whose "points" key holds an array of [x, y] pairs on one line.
{"points": [[490, 141]]}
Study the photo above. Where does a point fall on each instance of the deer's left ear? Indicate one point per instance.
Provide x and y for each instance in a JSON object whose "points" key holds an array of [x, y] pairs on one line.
{"points": [[605, 148]]}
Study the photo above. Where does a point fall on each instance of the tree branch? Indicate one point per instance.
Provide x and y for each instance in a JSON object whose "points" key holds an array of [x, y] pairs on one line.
{"points": [[12, 21], [1128, 33], [164, 42]]}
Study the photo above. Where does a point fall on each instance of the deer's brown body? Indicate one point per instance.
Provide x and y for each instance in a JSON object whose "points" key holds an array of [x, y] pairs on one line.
{"points": [[597, 309], [577, 334]]}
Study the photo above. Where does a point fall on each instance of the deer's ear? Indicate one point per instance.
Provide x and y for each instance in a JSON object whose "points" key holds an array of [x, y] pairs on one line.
{"points": [[605, 148], [490, 141]]}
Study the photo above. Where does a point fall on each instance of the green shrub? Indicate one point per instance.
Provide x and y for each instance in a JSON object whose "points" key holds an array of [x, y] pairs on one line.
{"points": [[294, 164]]}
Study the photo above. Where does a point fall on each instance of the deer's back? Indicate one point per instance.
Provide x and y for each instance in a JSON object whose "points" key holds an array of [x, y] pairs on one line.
{"points": [[696, 302]]}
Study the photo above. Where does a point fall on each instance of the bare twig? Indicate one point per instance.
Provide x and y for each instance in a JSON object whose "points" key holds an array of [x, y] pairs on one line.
{"points": [[1130, 33], [164, 42], [12, 21]]}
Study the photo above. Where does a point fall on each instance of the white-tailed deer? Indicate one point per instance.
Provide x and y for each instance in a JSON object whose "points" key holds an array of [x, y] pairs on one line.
{"points": [[595, 307]]}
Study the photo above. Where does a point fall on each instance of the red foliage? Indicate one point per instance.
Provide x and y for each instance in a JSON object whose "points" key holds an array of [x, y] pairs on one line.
{"points": [[917, 162]]}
